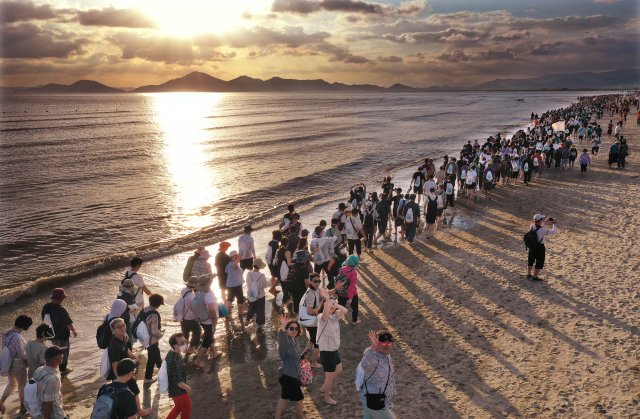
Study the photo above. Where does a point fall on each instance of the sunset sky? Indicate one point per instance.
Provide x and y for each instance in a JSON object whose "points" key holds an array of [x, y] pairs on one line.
{"points": [[129, 43]]}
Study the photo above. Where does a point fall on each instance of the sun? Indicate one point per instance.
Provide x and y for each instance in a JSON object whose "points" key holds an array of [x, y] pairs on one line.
{"points": [[190, 17]]}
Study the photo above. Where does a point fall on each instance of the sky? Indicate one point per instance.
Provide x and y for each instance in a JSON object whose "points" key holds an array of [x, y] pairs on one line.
{"points": [[420, 43]]}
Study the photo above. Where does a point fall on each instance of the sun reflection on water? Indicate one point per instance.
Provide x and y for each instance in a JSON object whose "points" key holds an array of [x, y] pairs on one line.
{"points": [[181, 119]]}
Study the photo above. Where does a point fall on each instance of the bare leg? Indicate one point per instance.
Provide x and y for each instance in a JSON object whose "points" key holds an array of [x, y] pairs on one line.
{"points": [[141, 411], [280, 408], [299, 410]]}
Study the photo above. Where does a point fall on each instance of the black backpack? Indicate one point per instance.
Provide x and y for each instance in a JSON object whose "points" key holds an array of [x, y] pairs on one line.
{"points": [[531, 239], [368, 219], [104, 334], [432, 205], [142, 318]]}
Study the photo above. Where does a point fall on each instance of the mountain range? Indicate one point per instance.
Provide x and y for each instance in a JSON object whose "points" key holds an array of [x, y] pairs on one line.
{"points": [[202, 82]]}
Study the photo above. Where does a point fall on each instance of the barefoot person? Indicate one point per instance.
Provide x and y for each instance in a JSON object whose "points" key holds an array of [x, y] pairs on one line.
{"points": [[537, 254], [378, 388], [177, 374], [61, 323], [235, 279], [205, 311], [13, 342], [289, 371], [329, 343], [350, 298]]}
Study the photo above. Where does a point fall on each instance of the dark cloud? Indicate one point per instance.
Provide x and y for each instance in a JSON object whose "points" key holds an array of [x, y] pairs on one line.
{"points": [[305, 7], [511, 36], [451, 35], [546, 48], [27, 40], [389, 59], [116, 18], [486, 55], [565, 24], [23, 10], [339, 54], [165, 48], [246, 15]]}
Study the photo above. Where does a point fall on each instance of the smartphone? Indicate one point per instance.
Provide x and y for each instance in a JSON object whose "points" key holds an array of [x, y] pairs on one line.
{"points": [[551, 219], [305, 354]]}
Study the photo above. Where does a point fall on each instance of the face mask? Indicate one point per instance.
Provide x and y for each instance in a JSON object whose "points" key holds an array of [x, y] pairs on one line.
{"points": [[183, 348]]}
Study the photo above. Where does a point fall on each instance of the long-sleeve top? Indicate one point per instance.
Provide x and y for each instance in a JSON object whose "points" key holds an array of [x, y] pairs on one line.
{"points": [[542, 232], [378, 370], [584, 159], [153, 325], [246, 247], [289, 352], [353, 278], [35, 355], [13, 340], [201, 267], [176, 372]]}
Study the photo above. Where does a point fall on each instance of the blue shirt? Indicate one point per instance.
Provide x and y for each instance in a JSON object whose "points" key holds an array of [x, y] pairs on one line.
{"points": [[234, 275]]}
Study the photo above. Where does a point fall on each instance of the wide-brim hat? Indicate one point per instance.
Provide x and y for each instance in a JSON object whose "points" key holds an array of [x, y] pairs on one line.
{"points": [[204, 255], [128, 285], [301, 255], [259, 263], [204, 282], [224, 246], [342, 206], [233, 253], [58, 294], [351, 261], [193, 282]]}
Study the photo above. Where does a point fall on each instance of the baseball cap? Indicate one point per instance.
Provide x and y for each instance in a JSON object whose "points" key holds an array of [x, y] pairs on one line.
{"points": [[52, 352], [538, 217]]}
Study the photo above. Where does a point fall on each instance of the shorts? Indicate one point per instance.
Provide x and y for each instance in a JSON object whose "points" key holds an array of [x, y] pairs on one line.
{"points": [[275, 272], [399, 221], [515, 174], [581, 137], [537, 256], [417, 189], [382, 225], [246, 264], [329, 360], [290, 388], [471, 186], [449, 201], [207, 341], [583, 168], [538, 169], [313, 333], [487, 186], [222, 281], [595, 150], [235, 292], [318, 267]]}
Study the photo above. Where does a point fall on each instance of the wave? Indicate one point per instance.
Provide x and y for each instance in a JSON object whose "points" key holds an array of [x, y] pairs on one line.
{"points": [[73, 126]]}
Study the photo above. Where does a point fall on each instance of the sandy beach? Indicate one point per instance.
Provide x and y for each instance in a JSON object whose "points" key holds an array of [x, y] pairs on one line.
{"points": [[473, 337]]}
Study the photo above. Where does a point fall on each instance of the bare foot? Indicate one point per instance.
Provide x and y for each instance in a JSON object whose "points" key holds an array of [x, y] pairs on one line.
{"points": [[356, 322], [153, 380], [329, 400], [216, 354], [316, 365], [144, 412], [198, 364], [190, 351]]}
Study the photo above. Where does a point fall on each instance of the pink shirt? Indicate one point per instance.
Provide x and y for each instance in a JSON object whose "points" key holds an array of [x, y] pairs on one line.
{"points": [[353, 277]]}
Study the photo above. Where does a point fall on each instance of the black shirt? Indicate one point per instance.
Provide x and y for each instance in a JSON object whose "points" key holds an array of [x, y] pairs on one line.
{"points": [[118, 350], [420, 175], [221, 261], [125, 402], [60, 319]]}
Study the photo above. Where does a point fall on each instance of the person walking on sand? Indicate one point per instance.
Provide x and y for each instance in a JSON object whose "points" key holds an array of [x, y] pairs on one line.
{"points": [[432, 202], [13, 342], [48, 386], [188, 325], [221, 261], [584, 160], [186, 274], [58, 317], [354, 226], [247, 249], [289, 371], [329, 343], [201, 266], [154, 359], [235, 279], [377, 382], [136, 264], [127, 405], [205, 311], [35, 348], [537, 253], [271, 257], [417, 182], [411, 215], [311, 300], [350, 298], [256, 283], [176, 372]]}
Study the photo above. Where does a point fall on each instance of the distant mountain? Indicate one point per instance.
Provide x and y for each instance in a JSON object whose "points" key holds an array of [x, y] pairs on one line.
{"points": [[617, 79], [81, 86], [192, 82]]}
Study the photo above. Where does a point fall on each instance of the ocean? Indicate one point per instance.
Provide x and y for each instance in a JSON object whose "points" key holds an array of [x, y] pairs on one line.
{"points": [[88, 181]]}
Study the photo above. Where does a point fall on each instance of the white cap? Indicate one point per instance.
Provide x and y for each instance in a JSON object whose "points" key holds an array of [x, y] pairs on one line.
{"points": [[538, 217]]}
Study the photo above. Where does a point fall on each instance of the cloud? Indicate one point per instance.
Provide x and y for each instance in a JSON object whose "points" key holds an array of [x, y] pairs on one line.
{"points": [[246, 15], [27, 40], [306, 7], [486, 55], [389, 59], [511, 36], [23, 10], [339, 54], [606, 1], [112, 17]]}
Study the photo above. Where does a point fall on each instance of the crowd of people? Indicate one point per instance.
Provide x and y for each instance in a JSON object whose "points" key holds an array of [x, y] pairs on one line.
{"points": [[316, 270]]}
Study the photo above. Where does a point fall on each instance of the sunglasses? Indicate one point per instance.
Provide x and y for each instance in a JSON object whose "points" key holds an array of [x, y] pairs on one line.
{"points": [[387, 343], [294, 328], [317, 282]]}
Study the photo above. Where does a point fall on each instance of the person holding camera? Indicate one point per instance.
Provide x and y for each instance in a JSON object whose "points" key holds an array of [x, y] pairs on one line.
{"points": [[537, 254], [377, 385]]}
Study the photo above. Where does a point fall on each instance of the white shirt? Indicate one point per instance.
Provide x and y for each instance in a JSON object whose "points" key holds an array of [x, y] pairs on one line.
{"points": [[353, 226], [542, 232], [138, 282], [246, 247], [210, 297], [472, 176], [188, 315], [318, 246], [428, 185]]}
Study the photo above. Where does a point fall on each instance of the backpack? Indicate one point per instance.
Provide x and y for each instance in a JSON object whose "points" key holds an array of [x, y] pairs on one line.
{"points": [[409, 216], [342, 277], [526, 167], [306, 375], [105, 407], [104, 334], [418, 180], [180, 309], [272, 254], [133, 273], [463, 174], [6, 361], [432, 205], [292, 276], [31, 402], [531, 238], [163, 379], [105, 365], [368, 219], [199, 308], [252, 287], [140, 329]]}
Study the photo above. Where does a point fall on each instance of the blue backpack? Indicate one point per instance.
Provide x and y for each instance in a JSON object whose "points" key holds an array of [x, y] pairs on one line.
{"points": [[105, 407]]}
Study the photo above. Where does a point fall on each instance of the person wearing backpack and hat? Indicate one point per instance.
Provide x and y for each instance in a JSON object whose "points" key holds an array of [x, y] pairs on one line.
{"points": [[47, 379], [235, 279], [201, 266], [125, 404], [350, 298], [62, 324], [256, 283], [537, 253], [207, 320], [152, 319], [126, 294], [186, 274], [188, 325]]}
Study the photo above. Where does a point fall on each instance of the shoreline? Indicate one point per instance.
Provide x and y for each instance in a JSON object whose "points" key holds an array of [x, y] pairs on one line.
{"points": [[454, 302]]}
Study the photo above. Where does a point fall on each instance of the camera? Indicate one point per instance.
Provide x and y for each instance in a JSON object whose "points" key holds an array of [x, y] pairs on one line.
{"points": [[551, 219]]}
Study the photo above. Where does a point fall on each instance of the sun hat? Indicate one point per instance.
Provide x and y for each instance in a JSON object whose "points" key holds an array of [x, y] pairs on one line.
{"points": [[538, 217], [204, 255], [204, 282], [224, 246], [58, 294], [233, 253], [259, 263], [193, 282], [248, 229], [351, 261], [342, 206], [301, 255], [128, 285]]}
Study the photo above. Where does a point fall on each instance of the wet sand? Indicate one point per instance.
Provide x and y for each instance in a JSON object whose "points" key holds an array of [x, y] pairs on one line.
{"points": [[474, 337]]}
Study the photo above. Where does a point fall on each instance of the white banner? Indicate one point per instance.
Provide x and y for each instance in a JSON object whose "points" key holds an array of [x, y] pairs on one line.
{"points": [[559, 126]]}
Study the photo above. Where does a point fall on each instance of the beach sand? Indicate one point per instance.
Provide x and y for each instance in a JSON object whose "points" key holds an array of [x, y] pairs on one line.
{"points": [[473, 337]]}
